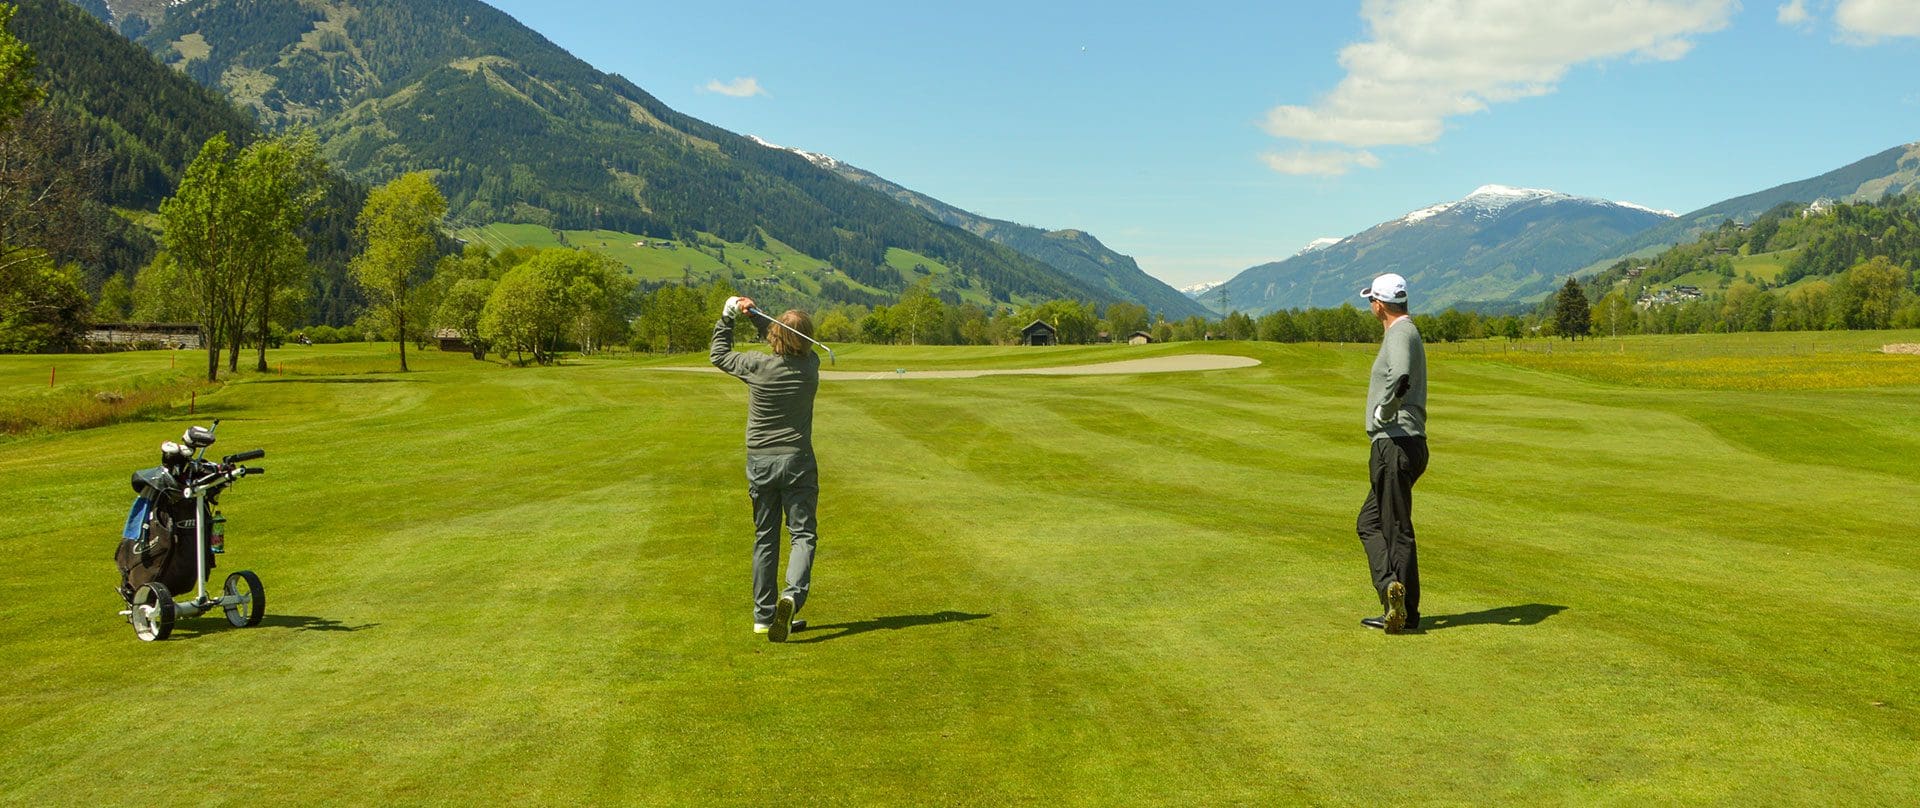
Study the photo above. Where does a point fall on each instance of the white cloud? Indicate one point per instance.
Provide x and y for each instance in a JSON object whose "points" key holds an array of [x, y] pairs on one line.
{"points": [[1869, 21], [1429, 60], [1325, 163], [1794, 13], [743, 87]]}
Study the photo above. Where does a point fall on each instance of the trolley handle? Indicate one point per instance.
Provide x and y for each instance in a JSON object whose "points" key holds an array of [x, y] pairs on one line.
{"points": [[243, 457]]}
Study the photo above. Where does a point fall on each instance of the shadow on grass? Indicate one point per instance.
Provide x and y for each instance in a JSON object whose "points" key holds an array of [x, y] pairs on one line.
{"points": [[214, 622], [894, 623], [328, 380], [1504, 616]]}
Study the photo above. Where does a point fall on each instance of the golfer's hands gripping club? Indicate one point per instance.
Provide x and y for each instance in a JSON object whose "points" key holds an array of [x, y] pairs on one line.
{"points": [[736, 305]]}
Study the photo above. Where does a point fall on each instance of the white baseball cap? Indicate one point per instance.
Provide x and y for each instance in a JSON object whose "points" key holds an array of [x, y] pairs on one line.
{"points": [[1388, 288]]}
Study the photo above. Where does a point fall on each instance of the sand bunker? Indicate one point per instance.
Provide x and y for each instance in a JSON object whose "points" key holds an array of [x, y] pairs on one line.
{"points": [[1158, 364], [1902, 347]]}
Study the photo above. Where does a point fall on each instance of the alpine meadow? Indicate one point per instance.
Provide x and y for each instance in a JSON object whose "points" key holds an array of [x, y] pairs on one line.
{"points": [[430, 402]]}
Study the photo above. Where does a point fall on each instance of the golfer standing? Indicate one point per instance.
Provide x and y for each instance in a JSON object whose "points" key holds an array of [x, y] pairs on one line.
{"points": [[1397, 424], [782, 477]]}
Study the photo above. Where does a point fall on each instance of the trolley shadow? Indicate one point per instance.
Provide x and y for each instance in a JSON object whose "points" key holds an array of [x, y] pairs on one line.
{"points": [[893, 623], [1527, 615], [294, 622]]}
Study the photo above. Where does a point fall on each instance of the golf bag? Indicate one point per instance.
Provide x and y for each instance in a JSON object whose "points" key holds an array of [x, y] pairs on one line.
{"points": [[159, 541]]}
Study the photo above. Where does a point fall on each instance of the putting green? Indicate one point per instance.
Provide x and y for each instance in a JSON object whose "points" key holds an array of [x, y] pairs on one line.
{"points": [[529, 586]]}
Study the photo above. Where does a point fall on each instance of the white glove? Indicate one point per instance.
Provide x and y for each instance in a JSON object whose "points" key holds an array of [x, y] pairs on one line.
{"points": [[1380, 415], [733, 306]]}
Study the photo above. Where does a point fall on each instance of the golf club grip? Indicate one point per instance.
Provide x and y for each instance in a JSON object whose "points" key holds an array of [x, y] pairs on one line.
{"points": [[252, 470], [246, 456]]}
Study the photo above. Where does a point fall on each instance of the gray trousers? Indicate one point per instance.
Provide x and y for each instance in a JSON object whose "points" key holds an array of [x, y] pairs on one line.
{"points": [[782, 485], [1386, 518]]}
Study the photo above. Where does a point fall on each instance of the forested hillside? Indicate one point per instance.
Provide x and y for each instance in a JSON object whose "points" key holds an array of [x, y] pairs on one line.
{"points": [[1074, 252], [516, 129], [149, 120], [135, 124], [1796, 267], [1892, 171]]}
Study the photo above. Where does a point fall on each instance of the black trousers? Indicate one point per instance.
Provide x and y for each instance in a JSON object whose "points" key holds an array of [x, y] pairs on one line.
{"points": [[1386, 520]]}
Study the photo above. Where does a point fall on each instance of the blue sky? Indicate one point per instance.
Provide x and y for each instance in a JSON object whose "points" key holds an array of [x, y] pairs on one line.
{"points": [[1203, 138]]}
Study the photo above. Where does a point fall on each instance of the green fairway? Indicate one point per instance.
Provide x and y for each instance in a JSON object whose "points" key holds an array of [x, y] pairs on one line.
{"points": [[1657, 571]]}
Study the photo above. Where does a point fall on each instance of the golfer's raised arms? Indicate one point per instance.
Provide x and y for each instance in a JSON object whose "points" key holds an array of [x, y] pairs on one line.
{"points": [[780, 388]]}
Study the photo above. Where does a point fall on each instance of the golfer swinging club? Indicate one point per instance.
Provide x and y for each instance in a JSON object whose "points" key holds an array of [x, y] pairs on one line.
{"points": [[781, 475], [1397, 423]]}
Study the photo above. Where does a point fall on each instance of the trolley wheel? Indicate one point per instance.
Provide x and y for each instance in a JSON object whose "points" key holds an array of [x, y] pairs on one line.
{"points": [[152, 612], [246, 614]]}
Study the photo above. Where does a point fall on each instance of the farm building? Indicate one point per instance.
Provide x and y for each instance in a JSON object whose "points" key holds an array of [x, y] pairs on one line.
{"points": [[450, 340], [1039, 332], [143, 336], [1139, 338]]}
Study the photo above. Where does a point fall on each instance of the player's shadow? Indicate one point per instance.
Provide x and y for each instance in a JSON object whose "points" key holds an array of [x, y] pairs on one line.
{"points": [[1526, 615], [836, 631]]}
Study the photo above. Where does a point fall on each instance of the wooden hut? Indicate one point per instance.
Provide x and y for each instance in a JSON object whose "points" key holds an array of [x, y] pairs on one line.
{"points": [[1039, 332], [141, 336], [450, 340]]}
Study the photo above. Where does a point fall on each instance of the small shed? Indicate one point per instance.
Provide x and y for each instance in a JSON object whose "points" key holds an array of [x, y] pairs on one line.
{"points": [[1039, 332], [1139, 338], [450, 340], [139, 336]]}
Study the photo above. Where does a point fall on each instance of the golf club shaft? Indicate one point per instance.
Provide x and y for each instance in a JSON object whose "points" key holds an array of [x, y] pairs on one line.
{"points": [[790, 329]]}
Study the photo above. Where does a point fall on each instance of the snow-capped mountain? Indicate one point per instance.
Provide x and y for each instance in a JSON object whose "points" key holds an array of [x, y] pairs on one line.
{"points": [[1198, 289], [1487, 201], [815, 158], [1318, 244], [1499, 243]]}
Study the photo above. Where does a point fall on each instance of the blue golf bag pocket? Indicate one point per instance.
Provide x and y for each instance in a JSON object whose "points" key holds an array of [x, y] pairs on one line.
{"points": [[136, 517]]}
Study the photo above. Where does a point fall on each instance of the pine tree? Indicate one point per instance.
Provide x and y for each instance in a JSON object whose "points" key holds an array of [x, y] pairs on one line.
{"points": [[1571, 315]]}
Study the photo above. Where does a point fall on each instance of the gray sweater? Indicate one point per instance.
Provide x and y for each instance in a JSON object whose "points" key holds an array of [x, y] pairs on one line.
{"points": [[779, 393], [1402, 355]]}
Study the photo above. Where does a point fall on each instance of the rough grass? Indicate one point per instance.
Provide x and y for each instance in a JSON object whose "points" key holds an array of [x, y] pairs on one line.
{"points": [[1761, 361], [95, 390], [530, 585]]}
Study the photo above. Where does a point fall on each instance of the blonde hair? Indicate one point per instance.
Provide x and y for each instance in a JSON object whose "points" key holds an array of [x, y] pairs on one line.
{"points": [[783, 341]]}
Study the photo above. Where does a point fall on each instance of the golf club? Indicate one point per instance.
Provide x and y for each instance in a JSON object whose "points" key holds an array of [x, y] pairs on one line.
{"points": [[776, 321]]}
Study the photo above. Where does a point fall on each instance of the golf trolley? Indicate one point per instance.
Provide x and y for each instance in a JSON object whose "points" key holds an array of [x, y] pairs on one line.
{"points": [[173, 532]]}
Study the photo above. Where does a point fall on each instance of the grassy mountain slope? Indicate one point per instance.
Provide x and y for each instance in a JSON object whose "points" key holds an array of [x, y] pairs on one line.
{"points": [[1074, 252], [519, 130]]}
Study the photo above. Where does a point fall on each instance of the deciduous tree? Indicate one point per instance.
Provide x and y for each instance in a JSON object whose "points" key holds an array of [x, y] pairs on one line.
{"points": [[399, 226]]}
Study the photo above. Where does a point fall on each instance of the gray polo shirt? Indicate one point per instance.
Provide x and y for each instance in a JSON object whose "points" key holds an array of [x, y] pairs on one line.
{"points": [[779, 393], [1401, 354]]}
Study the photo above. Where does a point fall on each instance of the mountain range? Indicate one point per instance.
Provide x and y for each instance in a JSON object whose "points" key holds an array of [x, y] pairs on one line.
{"points": [[1894, 171], [1502, 247], [1074, 252], [516, 129], [1497, 243]]}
